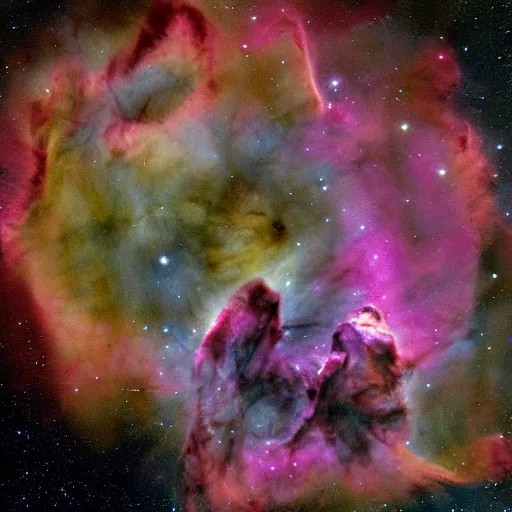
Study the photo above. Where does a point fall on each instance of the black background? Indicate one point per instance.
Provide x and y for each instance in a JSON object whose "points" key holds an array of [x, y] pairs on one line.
{"points": [[45, 465]]}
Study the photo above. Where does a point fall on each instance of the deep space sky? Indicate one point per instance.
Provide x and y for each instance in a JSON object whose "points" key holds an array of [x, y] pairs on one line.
{"points": [[283, 228]]}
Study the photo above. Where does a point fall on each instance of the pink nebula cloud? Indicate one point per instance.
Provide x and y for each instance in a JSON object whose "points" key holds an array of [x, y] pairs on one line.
{"points": [[145, 188]]}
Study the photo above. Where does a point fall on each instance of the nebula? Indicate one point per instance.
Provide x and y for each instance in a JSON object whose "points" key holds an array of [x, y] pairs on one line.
{"points": [[205, 154], [272, 429]]}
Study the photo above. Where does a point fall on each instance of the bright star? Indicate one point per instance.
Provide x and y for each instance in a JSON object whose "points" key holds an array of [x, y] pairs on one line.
{"points": [[164, 261]]}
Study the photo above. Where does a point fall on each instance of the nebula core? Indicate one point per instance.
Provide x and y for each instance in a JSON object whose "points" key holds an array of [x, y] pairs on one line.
{"points": [[204, 152]]}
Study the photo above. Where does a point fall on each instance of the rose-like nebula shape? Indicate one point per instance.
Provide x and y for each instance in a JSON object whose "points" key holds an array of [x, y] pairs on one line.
{"points": [[203, 156]]}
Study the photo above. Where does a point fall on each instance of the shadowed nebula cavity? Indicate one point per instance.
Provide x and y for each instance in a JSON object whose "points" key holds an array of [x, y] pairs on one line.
{"points": [[197, 209], [268, 432]]}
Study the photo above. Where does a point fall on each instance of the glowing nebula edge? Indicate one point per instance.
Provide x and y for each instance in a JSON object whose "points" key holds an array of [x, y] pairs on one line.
{"points": [[290, 269]]}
